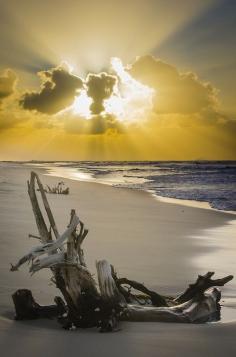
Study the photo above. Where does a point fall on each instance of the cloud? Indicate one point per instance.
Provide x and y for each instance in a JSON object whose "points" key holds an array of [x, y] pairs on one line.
{"points": [[7, 84], [58, 90], [180, 100], [99, 87], [176, 92]]}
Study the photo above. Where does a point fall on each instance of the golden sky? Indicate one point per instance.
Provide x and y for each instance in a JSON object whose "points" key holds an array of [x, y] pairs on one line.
{"points": [[109, 80]]}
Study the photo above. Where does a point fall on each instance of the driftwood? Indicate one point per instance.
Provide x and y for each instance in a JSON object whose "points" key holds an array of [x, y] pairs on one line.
{"points": [[114, 299], [28, 309], [58, 189]]}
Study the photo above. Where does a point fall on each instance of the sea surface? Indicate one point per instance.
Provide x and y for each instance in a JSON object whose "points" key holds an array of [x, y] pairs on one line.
{"points": [[213, 182]]}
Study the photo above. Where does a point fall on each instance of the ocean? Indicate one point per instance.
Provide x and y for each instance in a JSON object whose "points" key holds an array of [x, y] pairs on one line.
{"points": [[213, 182]]}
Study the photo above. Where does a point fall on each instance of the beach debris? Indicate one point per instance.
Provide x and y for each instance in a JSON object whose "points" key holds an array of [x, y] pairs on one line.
{"points": [[59, 189], [113, 299]]}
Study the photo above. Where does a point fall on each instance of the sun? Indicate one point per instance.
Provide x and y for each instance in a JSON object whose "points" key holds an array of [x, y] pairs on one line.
{"points": [[130, 100], [81, 105]]}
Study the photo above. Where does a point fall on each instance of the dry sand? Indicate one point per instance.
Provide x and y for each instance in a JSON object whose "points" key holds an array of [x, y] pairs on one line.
{"points": [[161, 244]]}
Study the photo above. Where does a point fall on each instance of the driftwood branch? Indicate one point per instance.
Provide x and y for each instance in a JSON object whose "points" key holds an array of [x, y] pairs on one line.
{"points": [[86, 305], [193, 311], [41, 225], [156, 299], [46, 205], [202, 283]]}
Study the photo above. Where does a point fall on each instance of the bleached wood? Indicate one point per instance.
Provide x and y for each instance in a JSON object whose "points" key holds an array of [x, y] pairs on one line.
{"points": [[189, 312], [46, 205], [107, 285], [47, 262], [48, 248], [40, 222]]}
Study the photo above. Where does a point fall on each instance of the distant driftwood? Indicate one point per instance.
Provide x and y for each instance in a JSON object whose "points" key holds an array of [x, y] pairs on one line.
{"points": [[114, 299], [58, 189]]}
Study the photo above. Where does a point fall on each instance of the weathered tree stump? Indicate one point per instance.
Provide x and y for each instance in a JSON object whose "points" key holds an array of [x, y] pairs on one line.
{"points": [[86, 305], [28, 309]]}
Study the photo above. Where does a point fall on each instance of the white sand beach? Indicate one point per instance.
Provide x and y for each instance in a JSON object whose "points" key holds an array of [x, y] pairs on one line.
{"points": [[164, 245]]}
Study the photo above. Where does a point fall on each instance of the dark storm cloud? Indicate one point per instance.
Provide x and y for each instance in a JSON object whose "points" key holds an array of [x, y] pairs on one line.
{"points": [[99, 87], [176, 92], [59, 88]]}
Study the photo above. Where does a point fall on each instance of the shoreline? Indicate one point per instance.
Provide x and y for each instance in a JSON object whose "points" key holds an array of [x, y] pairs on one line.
{"points": [[86, 177], [190, 203], [82, 176]]}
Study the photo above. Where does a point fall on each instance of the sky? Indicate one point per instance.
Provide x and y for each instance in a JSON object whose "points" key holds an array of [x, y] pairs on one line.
{"points": [[117, 80]]}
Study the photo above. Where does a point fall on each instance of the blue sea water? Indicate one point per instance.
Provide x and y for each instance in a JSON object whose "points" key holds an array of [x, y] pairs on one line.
{"points": [[213, 182]]}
